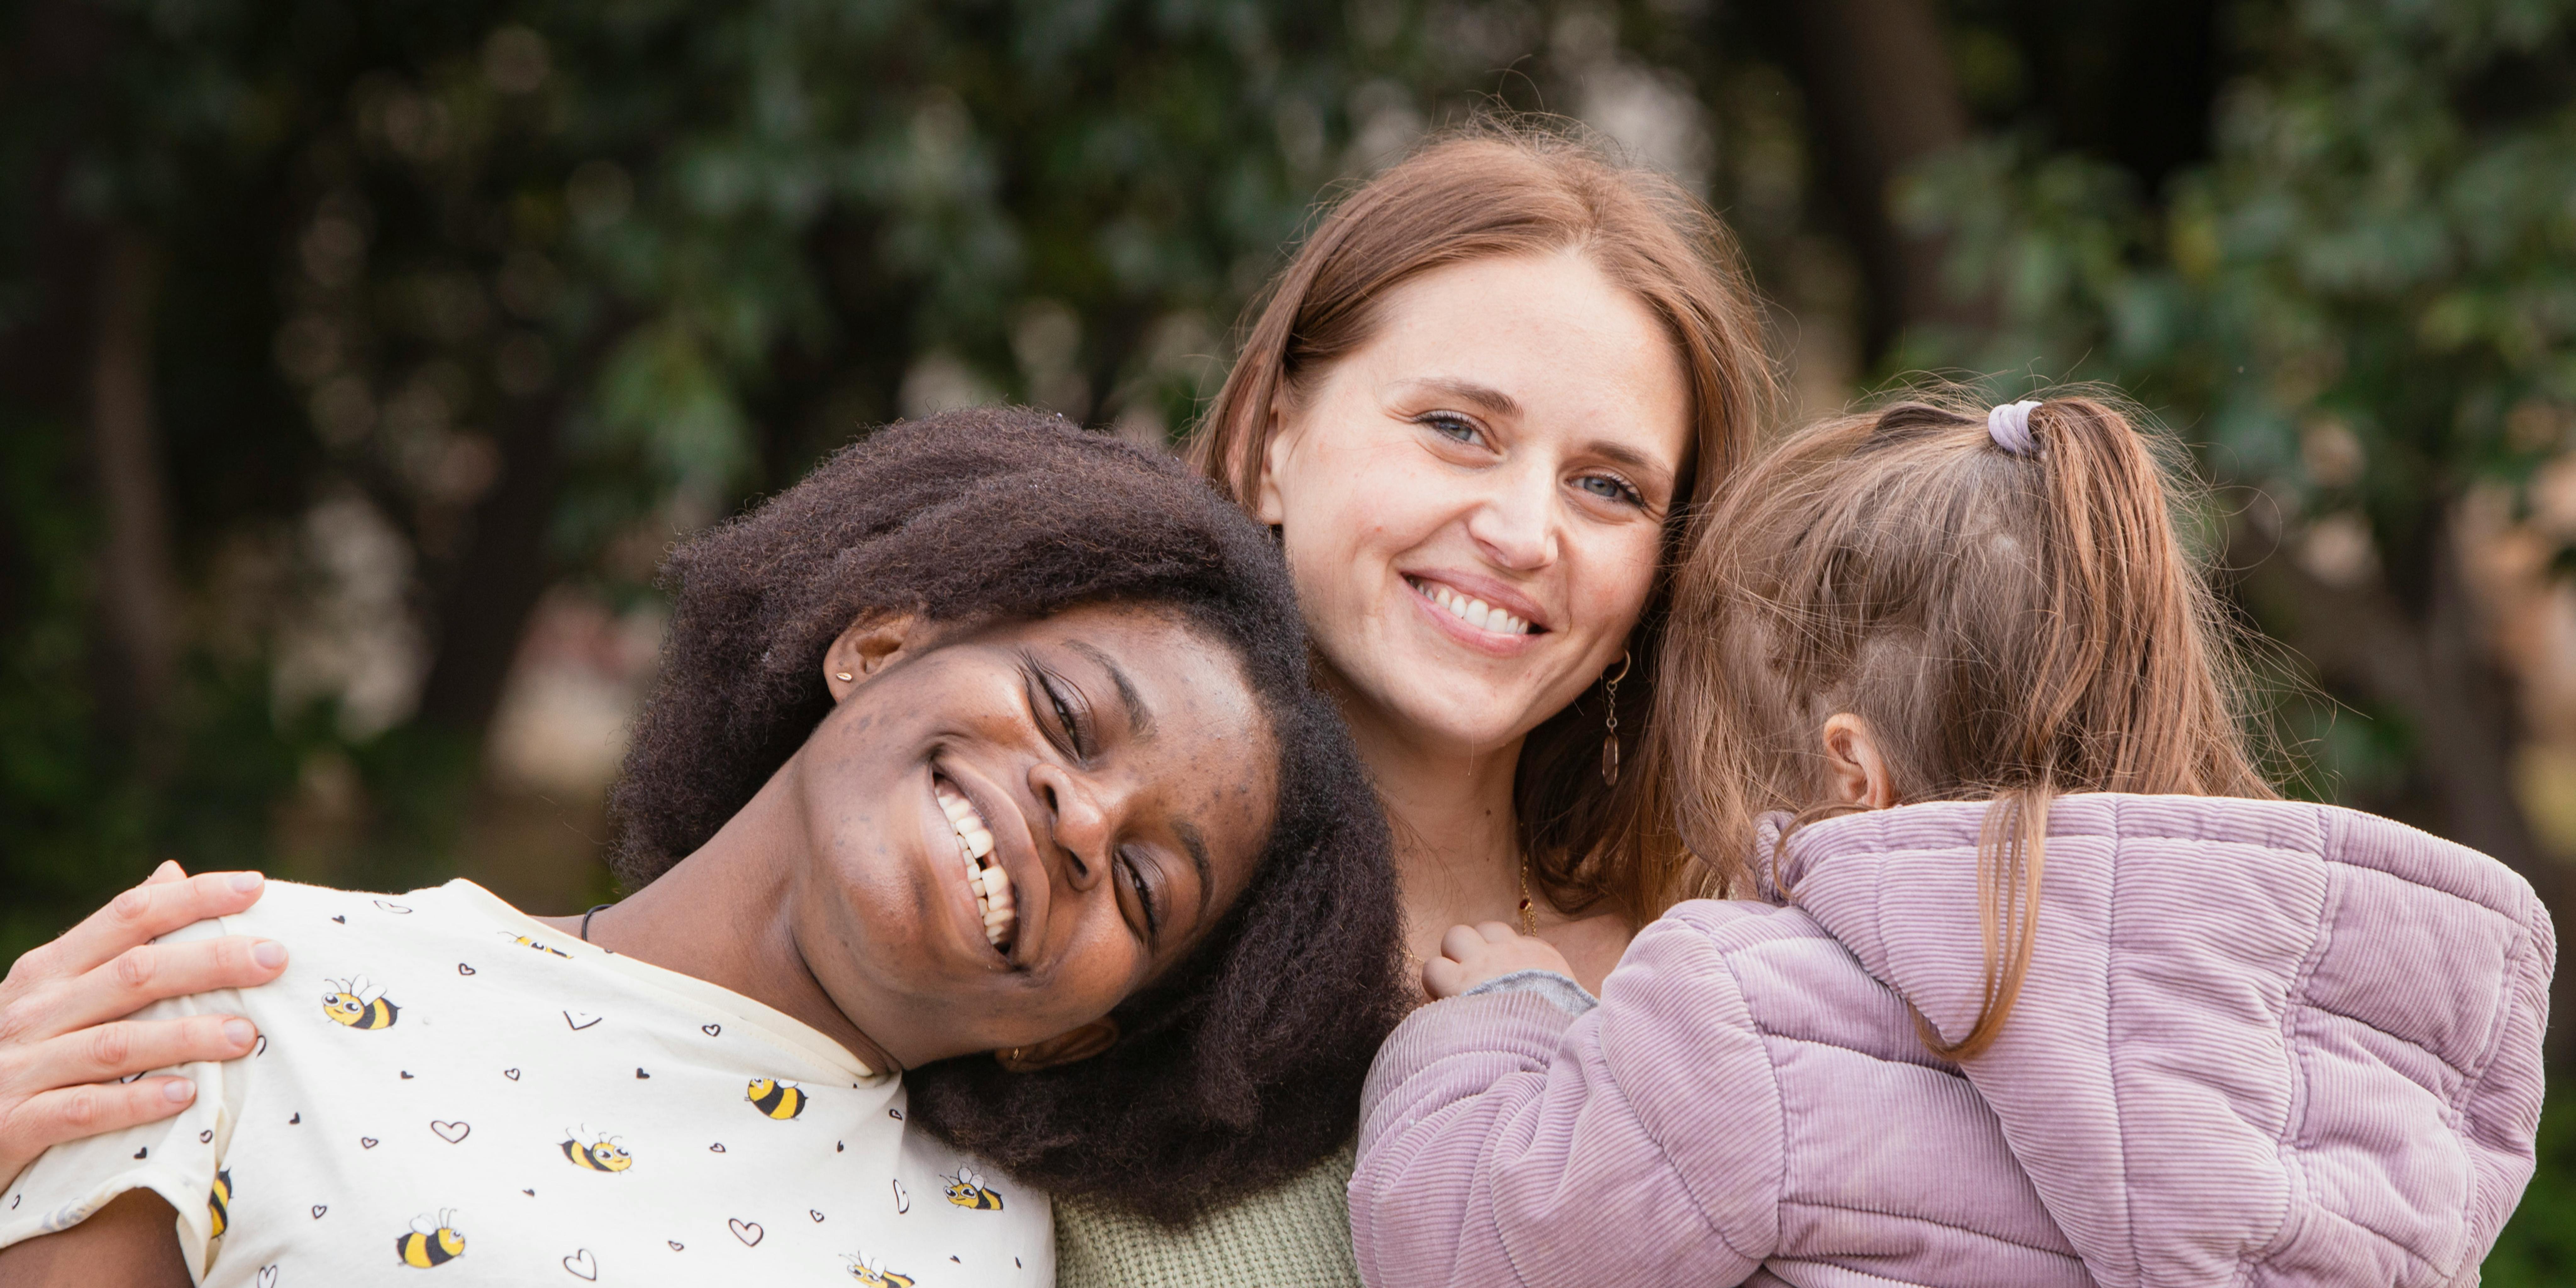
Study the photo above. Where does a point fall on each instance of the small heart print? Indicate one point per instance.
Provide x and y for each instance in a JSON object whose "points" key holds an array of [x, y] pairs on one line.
{"points": [[676, 1245], [268, 1277], [366, 1142], [587, 1019], [818, 1217], [451, 1132], [393, 907], [319, 1209], [838, 1146], [342, 920], [406, 1075], [747, 1231], [902, 1201], [716, 1148], [206, 1137], [143, 1151], [895, 1114], [581, 1266], [511, 1074], [463, 969], [299, 1117], [262, 1048], [958, 1262], [13, 1201], [529, 1193], [711, 1029], [129, 1077], [639, 1072]]}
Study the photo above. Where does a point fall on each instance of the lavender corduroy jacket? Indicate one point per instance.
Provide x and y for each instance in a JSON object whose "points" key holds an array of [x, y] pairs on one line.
{"points": [[2261, 1042]]}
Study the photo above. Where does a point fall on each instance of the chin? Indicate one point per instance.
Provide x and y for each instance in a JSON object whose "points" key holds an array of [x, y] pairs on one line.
{"points": [[1460, 709]]}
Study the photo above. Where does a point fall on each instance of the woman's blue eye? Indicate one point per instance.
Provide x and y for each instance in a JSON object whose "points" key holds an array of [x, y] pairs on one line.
{"points": [[1609, 489], [1451, 427]]}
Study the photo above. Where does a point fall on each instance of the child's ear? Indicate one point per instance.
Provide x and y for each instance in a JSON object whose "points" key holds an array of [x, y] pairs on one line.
{"points": [[866, 648], [1064, 1048], [1855, 772]]}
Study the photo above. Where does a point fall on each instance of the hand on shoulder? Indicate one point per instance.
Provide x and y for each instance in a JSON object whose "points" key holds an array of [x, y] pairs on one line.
{"points": [[64, 1041]]}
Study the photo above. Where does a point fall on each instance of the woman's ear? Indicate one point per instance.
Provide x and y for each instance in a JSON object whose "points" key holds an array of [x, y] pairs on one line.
{"points": [[1267, 505], [1855, 772], [1064, 1048], [866, 648]]}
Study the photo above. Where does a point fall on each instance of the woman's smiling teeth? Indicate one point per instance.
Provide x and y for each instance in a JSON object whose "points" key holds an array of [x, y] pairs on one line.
{"points": [[1469, 609], [991, 885]]}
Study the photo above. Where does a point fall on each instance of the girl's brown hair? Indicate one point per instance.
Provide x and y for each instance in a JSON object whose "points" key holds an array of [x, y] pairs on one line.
{"points": [[2009, 624], [1515, 188]]}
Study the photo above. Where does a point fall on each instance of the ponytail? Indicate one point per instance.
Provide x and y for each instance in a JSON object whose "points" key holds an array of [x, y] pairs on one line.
{"points": [[2000, 594]]}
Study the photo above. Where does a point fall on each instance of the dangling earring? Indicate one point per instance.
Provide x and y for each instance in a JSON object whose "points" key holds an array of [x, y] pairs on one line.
{"points": [[1610, 739]]}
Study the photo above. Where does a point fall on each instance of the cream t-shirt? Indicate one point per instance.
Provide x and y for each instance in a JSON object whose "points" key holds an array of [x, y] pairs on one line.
{"points": [[445, 1089]]}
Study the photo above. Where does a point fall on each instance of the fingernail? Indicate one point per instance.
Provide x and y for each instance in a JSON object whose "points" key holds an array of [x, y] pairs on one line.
{"points": [[245, 882], [239, 1032], [269, 953], [181, 1090]]}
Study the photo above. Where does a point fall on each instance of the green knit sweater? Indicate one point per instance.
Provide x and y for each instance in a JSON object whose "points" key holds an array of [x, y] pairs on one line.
{"points": [[1296, 1236]]}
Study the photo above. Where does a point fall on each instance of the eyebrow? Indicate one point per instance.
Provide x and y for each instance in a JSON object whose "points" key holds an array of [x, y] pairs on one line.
{"points": [[1622, 454], [1196, 844], [1140, 720], [1493, 401]]}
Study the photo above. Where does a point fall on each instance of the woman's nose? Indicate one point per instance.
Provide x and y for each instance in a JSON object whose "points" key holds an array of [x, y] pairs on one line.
{"points": [[1079, 819], [1515, 527]]}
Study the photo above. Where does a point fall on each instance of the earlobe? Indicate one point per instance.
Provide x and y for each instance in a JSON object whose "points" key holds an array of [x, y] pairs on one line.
{"points": [[866, 648], [1068, 1047]]}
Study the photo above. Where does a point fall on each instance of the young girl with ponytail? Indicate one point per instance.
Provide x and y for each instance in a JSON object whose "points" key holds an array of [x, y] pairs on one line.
{"points": [[2043, 984]]}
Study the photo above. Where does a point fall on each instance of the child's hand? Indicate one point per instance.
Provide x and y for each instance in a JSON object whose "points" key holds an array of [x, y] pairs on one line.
{"points": [[1470, 955]]}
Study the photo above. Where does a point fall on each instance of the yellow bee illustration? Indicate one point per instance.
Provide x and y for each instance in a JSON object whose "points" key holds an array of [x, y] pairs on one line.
{"points": [[779, 1100], [219, 1203], [603, 1154], [874, 1274], [525, 942], [355, 1003], [433, 1241], [967, 1190]]}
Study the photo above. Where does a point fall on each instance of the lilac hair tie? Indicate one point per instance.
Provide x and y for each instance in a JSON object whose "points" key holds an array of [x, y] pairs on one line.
{"points": [[2009, 426]]}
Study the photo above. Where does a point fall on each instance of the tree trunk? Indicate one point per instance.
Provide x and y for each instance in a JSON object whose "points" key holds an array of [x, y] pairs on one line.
{"points": [[136, 588], [483, 610], [1880, 98], [2437, 672]]}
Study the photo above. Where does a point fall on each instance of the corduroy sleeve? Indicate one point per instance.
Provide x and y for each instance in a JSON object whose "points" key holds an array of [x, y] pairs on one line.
{"points": [[1505, 1142]]}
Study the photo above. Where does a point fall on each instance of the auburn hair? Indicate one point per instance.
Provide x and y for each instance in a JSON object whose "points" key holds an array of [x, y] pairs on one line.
{"points": [[2009, 626], [1519, 187]]}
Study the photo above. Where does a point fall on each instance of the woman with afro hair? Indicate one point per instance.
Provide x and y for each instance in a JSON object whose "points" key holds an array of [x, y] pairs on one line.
{"points": [[986, 757]]}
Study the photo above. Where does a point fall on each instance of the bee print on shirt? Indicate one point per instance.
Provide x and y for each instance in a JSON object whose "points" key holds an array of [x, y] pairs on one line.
{"points": [[526, 942], [967, 1190], [873, 1273], [219, 1204], [602, 1154], [779, 1100], [358, 1004], [433, 1241]]}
